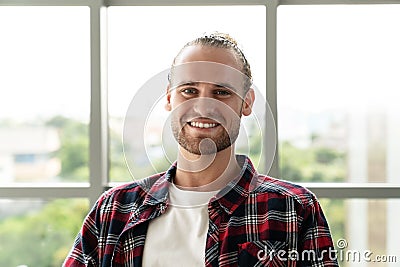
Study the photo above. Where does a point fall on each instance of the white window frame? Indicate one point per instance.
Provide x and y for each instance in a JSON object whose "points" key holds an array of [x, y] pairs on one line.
{"points": [[98, 126]]}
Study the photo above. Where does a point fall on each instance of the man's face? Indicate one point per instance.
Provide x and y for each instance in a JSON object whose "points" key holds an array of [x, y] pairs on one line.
{"points": [[207, 110]]}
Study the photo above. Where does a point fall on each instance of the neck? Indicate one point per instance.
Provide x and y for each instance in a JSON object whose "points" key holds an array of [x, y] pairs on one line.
{"points": [[206, 172]]}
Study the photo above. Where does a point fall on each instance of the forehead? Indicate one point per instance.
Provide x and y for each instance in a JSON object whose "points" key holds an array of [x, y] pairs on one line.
{"points": [[207, 53], [207, 64], [207, 72]]}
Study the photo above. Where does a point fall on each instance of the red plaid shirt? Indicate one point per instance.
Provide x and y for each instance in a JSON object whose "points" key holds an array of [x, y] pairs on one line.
{"points": [[256, 221]]}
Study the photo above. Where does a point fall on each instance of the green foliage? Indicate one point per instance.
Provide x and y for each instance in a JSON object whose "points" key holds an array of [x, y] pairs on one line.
{"points": [[74, 151], [256, 146], [315, 164], [326, 156], [118, 168], [41, 238]]}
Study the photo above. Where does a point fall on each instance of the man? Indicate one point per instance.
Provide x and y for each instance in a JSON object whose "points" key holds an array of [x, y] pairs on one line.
{"points": [[210, 208]]}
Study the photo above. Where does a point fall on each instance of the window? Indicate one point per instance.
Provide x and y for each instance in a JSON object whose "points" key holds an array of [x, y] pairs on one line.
{"points": [[44, 106], [337, 93], [337, 117], [61, 126]]}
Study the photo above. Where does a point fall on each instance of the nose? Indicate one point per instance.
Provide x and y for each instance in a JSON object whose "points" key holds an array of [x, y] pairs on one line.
{"points": [[205, 106]]}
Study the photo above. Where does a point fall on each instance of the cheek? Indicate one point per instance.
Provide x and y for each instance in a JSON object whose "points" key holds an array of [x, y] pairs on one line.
{"points": [[235, 106], [231, 111], [180, 108], [175, 101]]}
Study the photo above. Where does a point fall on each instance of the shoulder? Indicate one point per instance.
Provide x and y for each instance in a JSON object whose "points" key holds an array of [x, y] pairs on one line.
{"points": [[285, 189], [130, 193]]}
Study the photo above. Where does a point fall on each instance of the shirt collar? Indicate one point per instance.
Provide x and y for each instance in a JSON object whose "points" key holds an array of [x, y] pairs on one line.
{"points": [[229, 198], [158, 192]]}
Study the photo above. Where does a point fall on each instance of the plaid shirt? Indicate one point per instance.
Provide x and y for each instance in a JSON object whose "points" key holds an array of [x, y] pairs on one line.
{"points": [[256, 221]]}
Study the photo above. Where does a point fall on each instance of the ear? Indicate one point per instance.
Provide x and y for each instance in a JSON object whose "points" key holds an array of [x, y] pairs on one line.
{"points": [[248, 102], [168, 103]]}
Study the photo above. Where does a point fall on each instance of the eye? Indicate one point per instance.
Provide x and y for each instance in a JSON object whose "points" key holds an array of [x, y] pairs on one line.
{"points": [[188, 91], [223, 93]]}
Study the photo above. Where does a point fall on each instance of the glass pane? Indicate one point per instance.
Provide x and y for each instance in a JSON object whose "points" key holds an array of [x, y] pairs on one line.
{"points": [[45, 94], [338, 86], [365, 232], [143, 42], [39, 233]]}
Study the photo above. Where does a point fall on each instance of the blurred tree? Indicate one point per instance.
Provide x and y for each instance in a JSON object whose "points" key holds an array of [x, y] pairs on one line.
{"points": [[319, 164], [42, 238], [326, 155], [74, 150], [118, 168]]}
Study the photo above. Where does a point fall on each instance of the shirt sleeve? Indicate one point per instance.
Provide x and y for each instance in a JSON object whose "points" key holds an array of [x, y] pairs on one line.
{"points": [[84, 251], [315, 241]]}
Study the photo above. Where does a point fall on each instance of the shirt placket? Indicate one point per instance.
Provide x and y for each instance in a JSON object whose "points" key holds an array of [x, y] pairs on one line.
{"points": [[213, 243], [151, 213]]}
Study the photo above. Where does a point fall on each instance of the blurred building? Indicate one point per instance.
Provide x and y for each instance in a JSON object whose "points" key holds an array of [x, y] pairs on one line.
{"points": [[28, 154]]}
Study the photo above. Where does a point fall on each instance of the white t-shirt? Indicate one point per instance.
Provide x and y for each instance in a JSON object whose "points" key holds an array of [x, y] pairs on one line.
{"points": [[178, 237]]}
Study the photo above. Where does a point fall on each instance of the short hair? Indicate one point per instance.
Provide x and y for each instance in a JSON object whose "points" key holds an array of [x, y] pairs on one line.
{"points": [[222, 40]]}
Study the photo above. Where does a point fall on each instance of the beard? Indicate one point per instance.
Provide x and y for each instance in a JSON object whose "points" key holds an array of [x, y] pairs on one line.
{"points": [[208, 144]]}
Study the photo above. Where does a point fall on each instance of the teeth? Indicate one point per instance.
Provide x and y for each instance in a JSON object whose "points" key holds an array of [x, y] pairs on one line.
{"points": [[202, 125]]}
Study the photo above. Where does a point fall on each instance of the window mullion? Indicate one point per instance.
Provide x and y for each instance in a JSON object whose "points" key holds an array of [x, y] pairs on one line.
{"points": [[45, 3], [271, 153], [45, 191], [98, 162], [336, 2], [354, 190], [184, 2]]}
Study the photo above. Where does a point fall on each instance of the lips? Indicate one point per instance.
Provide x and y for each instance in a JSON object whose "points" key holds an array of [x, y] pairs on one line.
{"points": [[205, 125]]}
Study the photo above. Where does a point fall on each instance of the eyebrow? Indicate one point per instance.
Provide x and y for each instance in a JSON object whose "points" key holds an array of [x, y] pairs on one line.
{"points": [[220, 85], [189, 83]]}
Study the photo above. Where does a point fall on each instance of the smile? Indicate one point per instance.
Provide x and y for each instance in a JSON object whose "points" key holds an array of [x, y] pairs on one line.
{"points": [[202, 125]]}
